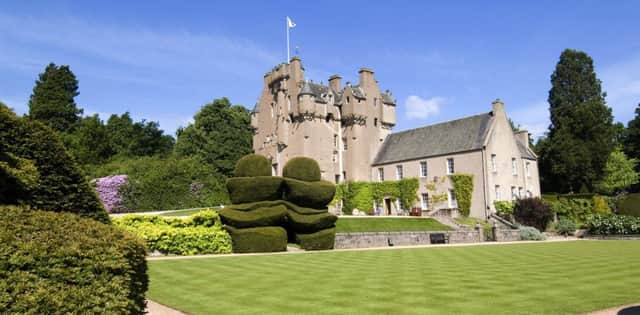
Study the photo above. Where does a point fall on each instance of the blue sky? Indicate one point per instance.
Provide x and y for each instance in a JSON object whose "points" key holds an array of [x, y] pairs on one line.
{"points": [[162, 60]]}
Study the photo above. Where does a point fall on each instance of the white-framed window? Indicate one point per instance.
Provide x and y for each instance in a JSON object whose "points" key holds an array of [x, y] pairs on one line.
{"points": [[514, 166], [274, 169], [520, 192], [381, 174], [494, 164], [399, 173], [400, 205], [425, 201], [423, 169], [529, 194], [498, 194], [453, 202], [450, 166], [514, 193], [527, 167]]}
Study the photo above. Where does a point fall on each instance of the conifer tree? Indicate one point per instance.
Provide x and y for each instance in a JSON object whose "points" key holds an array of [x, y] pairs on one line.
{"points": [[52, 101], [581, 134]]}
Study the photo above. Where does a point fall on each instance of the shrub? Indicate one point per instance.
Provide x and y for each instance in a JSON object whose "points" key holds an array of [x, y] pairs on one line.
{"points": [[529, 233], [108, 189], [324, 239], [463, 186], [252, 189], [302, 168], [504, 208], [252, 165], [565, 226], [259, 239], [59, 263], [533, 212], [264, 216], [600, 205], [613, 224], [201, 233], [311, 222], [47, 177], [309, 194], [630, 205]]}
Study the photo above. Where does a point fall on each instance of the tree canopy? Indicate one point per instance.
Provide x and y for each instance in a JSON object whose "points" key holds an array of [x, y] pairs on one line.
{"points": [[619, 172], [581, 134], [52, 101], [220, 135]]}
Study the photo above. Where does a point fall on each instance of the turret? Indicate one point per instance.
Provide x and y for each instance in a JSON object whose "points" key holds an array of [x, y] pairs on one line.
{"points": [[305, 98]]}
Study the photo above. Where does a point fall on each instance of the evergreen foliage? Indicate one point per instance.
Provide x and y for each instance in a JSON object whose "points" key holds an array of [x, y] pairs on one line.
{"points": [[309, 194], [258, 239], [463, 187], [262, 216], [252, 165], [59, 263], [361, 195], [220, 135], [631, 138], [45, 174], [302, 168], [323, 239], [252, 189], [52, 101], [580, 136]]}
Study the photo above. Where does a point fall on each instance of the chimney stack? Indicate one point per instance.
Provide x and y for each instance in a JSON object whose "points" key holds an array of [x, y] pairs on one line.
{"points": [[498, 107], [366, 77], [335, 82]]}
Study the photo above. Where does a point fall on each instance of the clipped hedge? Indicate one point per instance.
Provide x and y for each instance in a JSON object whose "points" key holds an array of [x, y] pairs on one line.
{"points": [[302, 168], [201, 233], [252, 165], [264, 216], [309, 194], [252, 189], [261, 204], [311, 222], [258, 240], [630, 205], [320, 240], [59, 263]]}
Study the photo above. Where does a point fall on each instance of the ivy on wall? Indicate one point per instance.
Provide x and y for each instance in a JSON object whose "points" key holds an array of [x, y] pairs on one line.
{"points": [[463, 187], [432, 187], [361, 195]]}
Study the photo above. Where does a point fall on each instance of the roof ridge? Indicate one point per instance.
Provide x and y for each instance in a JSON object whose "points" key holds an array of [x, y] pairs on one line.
{"points": [[441, 123]]}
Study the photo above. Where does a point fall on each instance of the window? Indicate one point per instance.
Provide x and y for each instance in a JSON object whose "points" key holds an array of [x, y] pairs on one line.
{"points": [[337, 178], [381, 174], [399, 174], [400, 205], [494, 166], [514, 166], [274, 169], [335, 141], [423, 169], [529, 194], [425, 201], [348, 99], [520, 192], [498, 195], [450, 166], [514, 193], [344, 144], [527, 168], [375, 122], [453, 203]]}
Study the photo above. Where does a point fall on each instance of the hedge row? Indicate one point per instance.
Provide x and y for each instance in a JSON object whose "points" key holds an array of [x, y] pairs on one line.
{"points": [[323, 239], [258, 239], [291, 206], [630, 205], [264, 216], [613, 224], [310, 222], [252, 189], [60, 263]]}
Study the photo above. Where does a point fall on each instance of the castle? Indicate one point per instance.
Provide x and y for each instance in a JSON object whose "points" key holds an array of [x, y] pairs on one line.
{"points": [[348, 130]]}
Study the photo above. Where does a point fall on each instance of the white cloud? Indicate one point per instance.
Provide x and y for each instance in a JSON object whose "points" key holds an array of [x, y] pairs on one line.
{"points": [[420, 108], [533, 117]]}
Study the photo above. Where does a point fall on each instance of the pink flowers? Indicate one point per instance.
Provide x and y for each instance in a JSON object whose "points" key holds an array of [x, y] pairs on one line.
{"points": [[108, 191]]}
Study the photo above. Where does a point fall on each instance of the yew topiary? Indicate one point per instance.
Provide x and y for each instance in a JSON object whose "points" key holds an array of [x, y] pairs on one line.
{"points": [[252, 189], [302, 168], [309, 194], [252, 165], [258, 239]]}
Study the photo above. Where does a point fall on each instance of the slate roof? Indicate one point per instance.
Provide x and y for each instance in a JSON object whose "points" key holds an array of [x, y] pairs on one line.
{"points": [[525, 152], [387, 98], [465, 134]]}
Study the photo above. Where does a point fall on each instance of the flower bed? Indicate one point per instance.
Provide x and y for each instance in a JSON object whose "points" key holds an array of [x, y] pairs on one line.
{"points": [[108, 189]]}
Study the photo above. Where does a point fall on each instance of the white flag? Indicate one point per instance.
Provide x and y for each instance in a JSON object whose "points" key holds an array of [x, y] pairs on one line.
{"points": [[290, 23]]}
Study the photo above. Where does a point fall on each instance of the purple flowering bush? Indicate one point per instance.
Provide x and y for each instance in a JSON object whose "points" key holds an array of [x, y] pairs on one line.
{"points": [[108, 189]]}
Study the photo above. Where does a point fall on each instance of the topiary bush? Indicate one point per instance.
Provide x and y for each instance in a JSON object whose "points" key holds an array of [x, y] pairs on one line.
{"points": [[252, 165], [321, 240], [309, 194], [310, 223], [252, 189], [263, 216], [302, 168], [533, 212], [47, 178], [60, 263], [258, 239], [530, 233]]}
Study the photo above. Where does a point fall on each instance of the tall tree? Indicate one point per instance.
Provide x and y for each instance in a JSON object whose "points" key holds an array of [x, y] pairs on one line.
{"points": [[619, 173], [89, 142], [144, 138], [581, 134], [631, 138], [52, 101], [220, 135]]}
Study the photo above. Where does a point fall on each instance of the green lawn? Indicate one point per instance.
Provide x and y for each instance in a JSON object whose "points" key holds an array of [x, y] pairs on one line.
{"points": [[545, 278], [389, 225]]}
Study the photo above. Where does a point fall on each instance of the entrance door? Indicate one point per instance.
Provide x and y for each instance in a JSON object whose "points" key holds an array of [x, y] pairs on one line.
{"points": [[387, 206]]}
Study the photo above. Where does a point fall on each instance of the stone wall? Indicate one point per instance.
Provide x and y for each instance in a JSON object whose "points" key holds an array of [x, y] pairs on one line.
{"points": [[385, 239]]}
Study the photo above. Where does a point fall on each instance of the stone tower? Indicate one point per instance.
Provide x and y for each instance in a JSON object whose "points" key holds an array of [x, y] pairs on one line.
{"points": [[340, 127]]}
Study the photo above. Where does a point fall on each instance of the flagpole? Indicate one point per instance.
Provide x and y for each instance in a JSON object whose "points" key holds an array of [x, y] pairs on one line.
{"points": [[286, 23]]}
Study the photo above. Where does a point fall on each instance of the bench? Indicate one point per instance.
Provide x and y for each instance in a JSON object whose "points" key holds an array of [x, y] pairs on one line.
{"points": [[439, 238]]}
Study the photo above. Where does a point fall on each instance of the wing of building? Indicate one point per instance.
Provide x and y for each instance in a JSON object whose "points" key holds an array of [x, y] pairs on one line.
{"points": [[348, 130]]}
